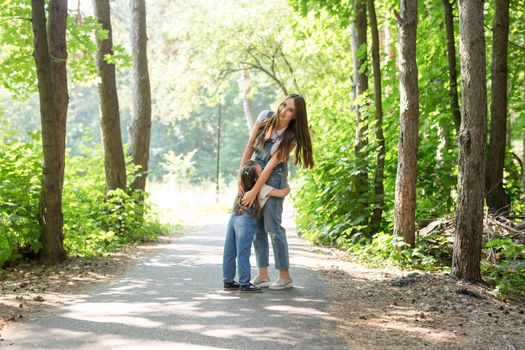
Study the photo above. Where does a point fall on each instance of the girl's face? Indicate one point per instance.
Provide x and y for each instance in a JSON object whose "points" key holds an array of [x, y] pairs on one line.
{"points": [[287, 110]]}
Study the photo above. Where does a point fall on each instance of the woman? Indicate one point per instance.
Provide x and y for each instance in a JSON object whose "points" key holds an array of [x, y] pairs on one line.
{"points": [[273, 138]]}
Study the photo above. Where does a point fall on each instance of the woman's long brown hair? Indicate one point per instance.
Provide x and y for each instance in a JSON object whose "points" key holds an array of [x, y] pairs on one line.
{"points": [[248, 177], [296, 131]]}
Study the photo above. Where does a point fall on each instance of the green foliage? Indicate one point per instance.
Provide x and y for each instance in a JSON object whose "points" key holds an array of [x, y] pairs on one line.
{"points": [[180, 168], [341, 9], [512, 183], [329, 198], [94, 222], [505, 265], [431, 252], [81, 48], [437, 154], [20, 171], [17, 65], [328, 202]]}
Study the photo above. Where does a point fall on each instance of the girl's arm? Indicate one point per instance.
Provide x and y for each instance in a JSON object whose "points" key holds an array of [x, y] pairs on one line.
{"points": [[283, 192], [251, 195]]}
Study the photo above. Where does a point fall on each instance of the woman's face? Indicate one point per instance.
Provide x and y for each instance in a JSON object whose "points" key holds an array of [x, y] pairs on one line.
{"points": [[287, 110]]}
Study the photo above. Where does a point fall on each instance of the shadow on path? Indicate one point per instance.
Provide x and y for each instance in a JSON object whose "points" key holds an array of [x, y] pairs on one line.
{"points": [[174, 299]]}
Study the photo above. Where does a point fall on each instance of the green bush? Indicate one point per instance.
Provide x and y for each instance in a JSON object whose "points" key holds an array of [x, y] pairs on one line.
{"points": [[20, 183], [504, 265], [431, 252], [94, 222]]}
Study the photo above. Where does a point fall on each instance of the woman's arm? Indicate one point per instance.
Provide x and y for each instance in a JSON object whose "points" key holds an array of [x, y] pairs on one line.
{"points": [[248, 151]]}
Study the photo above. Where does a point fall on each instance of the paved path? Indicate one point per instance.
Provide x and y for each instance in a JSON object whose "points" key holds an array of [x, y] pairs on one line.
{"points": [[173, 299]]}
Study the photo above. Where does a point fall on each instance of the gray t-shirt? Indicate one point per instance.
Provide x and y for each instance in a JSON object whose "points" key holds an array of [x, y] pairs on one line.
{"points": [[262, 116]]}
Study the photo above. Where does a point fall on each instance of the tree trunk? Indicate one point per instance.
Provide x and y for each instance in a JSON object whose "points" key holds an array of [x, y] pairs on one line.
{"points": [[50, 59], [114, 162], [140, 129], [522, 199], [497, 199], [452, 70], [379, 190], [508, 142], [471, 175], [405, 193], [244, 84], [359, 88], [523, 169]]}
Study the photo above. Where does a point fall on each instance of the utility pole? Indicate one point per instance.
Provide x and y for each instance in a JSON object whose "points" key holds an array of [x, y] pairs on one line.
{"points": [[218, 149]]}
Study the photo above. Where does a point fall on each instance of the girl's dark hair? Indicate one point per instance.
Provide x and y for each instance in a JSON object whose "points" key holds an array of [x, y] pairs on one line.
{"points": [[297, 131], [248, 177]]}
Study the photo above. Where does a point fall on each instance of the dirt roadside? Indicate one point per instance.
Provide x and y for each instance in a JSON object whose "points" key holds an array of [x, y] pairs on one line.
{"points": [[390, 308], [30, 288]]}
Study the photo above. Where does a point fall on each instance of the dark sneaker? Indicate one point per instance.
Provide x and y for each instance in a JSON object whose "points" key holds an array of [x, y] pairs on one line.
{"points": [[231, 285], [250, 288]]}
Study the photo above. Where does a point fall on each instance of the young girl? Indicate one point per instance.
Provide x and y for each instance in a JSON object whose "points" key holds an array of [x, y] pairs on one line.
{"points": [[274, 136], [243, 223]]}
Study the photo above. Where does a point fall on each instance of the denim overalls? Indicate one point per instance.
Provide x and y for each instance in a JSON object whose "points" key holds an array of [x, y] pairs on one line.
{"points": [[238, 244], [272, 215]]}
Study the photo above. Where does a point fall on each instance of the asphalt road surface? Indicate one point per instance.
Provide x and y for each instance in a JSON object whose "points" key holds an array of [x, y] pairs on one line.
{"points": [[173, 299]]}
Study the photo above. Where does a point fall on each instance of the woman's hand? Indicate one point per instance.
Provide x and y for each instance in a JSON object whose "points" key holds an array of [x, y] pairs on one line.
{"points": [[249, 198]]}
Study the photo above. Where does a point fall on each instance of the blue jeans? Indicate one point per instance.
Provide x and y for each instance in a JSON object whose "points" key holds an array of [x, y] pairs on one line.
{"points": [[272, 216], [238, 245]]}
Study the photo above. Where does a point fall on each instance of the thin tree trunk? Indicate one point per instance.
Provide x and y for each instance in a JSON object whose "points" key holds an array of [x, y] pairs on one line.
{"points": [[140, 130], [114, 162], [447, 140], [472, 136], [50, 58], [244, 84], [497, 199], [523, 164], [405, 193], [446, 182], [379, 190], [79, 15], [523, 169], [359, 88], [389, 44], [452, 70], [508, 142]]}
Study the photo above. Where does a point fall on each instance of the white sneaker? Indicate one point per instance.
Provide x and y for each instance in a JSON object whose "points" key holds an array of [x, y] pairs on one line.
{"points": [[260, 283], [281, 284]]}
